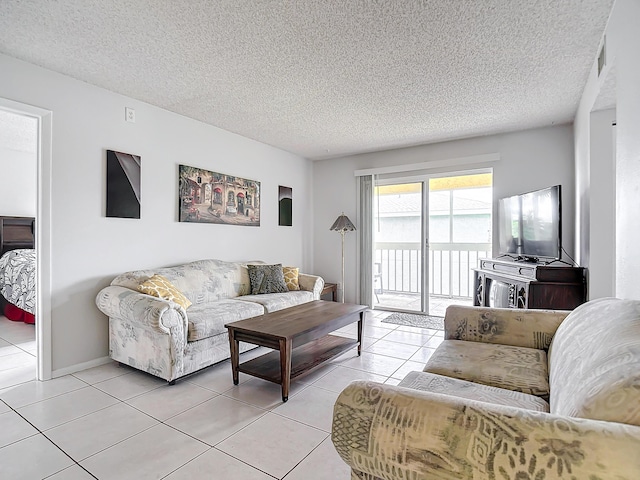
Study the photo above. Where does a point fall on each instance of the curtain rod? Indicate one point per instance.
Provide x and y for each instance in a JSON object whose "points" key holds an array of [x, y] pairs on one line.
{"points": [[450, 162]]}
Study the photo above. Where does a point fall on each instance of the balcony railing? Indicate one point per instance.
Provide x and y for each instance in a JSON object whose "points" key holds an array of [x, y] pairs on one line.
{"points": [[450, 264]]}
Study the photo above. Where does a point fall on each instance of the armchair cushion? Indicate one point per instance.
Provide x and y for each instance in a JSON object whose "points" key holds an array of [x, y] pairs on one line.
{"points": [[389, 432], [515, 368], [520, 328], [429, 382]]}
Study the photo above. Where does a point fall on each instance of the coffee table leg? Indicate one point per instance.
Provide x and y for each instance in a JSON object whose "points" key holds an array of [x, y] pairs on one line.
{"points": [[360, 325], [234, 346], [285, 367]]}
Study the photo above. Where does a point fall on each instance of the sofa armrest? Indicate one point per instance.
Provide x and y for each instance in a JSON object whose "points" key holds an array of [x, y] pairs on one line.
{"points": [[518, 327], [143, 310], [390, 432], [311, 283]]}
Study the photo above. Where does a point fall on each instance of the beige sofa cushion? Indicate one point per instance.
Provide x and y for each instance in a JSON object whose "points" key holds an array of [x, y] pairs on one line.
{"points": [[272, 302], [208, 320], [594, 362], [430, 382], [519, 369]]}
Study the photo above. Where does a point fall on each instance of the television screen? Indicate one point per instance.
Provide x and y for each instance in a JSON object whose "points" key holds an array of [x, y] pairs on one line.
{"points": [[530, 224], [509, 224]]}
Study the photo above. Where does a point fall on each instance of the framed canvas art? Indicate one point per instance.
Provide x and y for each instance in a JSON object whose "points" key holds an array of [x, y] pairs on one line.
{"points": [[285, 206], [123, 185], [210, 197]]}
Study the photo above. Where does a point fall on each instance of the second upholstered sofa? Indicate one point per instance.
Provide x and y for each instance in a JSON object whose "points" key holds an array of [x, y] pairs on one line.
{"points": [[509, 394], [163, 338]]}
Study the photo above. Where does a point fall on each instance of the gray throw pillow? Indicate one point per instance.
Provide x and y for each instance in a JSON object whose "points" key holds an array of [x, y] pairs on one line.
{"points": [[267, 279]]}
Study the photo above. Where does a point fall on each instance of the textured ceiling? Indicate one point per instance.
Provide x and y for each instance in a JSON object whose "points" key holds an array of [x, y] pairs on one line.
{"points": [[18, 132], [325, 78]]}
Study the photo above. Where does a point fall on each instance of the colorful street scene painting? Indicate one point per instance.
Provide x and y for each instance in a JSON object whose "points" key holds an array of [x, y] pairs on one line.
{"points": [[210, 197]]}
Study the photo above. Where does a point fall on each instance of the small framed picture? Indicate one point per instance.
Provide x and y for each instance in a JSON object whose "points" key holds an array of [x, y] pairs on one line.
{"points": [[285, 207], [123, 185]]}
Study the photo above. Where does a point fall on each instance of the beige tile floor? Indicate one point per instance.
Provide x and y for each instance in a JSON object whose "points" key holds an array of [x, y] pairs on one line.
{"points": [[113, 422], [17, 352]]}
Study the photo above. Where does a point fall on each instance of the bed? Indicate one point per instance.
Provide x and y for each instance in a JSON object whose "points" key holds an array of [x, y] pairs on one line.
{"points": [[18, 268]]}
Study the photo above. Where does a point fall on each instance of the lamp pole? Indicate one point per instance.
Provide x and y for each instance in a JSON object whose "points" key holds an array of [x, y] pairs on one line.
{"points": [[342, 225], [342, 286]]}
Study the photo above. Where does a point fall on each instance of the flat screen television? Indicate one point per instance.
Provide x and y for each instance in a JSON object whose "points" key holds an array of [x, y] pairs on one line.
{"points": [[530, 225]]}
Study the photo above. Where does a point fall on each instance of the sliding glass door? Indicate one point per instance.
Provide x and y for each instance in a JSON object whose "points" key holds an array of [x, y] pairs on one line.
{"points": [[399, 246], [428, 236]]}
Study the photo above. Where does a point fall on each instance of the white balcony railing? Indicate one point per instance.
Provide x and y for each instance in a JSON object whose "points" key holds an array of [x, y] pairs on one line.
{"points": [[450, 267]]}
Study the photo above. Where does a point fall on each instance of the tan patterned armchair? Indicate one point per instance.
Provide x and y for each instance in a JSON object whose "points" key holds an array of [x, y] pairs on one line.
{"points": [[509, 395]]}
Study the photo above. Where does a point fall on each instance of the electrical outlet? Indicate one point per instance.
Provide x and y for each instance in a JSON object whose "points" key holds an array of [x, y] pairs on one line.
{"points": [[129, 114]]}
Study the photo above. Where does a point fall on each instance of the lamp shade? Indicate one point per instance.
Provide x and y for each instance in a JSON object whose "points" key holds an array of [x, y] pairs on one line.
{"points": [[343, 224]]}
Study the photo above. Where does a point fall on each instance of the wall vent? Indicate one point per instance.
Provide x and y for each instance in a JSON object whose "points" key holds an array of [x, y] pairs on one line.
{"points": [[601, 57]]}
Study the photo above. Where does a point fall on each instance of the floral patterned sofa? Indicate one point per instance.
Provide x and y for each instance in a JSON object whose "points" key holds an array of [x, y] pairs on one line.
{"points": [[163, 338], [479, 409]]}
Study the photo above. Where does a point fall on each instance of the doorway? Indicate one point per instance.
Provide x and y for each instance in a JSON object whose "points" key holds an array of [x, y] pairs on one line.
{"points": [[42, 182], [429, 233], [18, 198]]}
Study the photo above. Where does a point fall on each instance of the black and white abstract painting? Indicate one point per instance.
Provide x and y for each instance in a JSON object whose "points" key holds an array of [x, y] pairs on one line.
{"points": [[123, 185]]}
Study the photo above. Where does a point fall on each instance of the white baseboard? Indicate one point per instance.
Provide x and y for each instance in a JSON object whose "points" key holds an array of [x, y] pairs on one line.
{"points": [[80, 366]]}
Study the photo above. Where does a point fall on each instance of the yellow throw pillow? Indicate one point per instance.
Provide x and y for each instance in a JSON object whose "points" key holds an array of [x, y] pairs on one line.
{"points": [[291, 277], [160, 287]]}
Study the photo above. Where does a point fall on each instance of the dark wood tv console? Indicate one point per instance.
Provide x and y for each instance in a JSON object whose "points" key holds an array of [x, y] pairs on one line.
{"points": [[514, 284]]}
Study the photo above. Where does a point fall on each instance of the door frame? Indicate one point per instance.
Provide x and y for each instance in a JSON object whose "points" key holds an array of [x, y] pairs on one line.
{"points": [[43, 231]]}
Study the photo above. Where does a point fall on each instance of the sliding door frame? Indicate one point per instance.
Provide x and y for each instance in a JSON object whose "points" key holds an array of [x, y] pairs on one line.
{"points": [[424, 179]]}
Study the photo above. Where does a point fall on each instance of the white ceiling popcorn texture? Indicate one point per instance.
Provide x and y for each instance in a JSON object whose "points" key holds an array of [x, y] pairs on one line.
{"points": [[325, 78], [18, 132]]}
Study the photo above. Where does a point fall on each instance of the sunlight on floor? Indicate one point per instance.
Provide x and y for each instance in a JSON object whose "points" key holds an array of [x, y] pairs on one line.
{"points": [[411, 302]]}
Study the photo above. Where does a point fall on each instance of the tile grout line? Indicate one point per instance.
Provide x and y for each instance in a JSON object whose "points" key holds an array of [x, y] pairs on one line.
{"points": [[50, 441], [305, 457], [121, 401], [163, 422]]}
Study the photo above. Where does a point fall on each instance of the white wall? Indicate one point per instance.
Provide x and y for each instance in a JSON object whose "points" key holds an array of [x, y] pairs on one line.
{"points": [[18, 164], [622, 40], [18, 191], [88, 249], [599, 256], [530, 160]]}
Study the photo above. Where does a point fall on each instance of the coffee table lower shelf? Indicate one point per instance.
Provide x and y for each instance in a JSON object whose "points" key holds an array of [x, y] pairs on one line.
{"points": [[304, 359]]}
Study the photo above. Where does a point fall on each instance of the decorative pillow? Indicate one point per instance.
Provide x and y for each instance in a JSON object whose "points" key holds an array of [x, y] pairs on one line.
{"points": [[291, 277], [160, 287], [266, 279]]}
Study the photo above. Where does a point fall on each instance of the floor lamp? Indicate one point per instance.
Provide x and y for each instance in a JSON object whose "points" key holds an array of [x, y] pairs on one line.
{"points": [[342, 225]]}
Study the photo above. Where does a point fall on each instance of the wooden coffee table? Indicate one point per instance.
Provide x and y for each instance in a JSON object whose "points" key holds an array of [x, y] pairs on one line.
{"points": [[300, 337]]}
